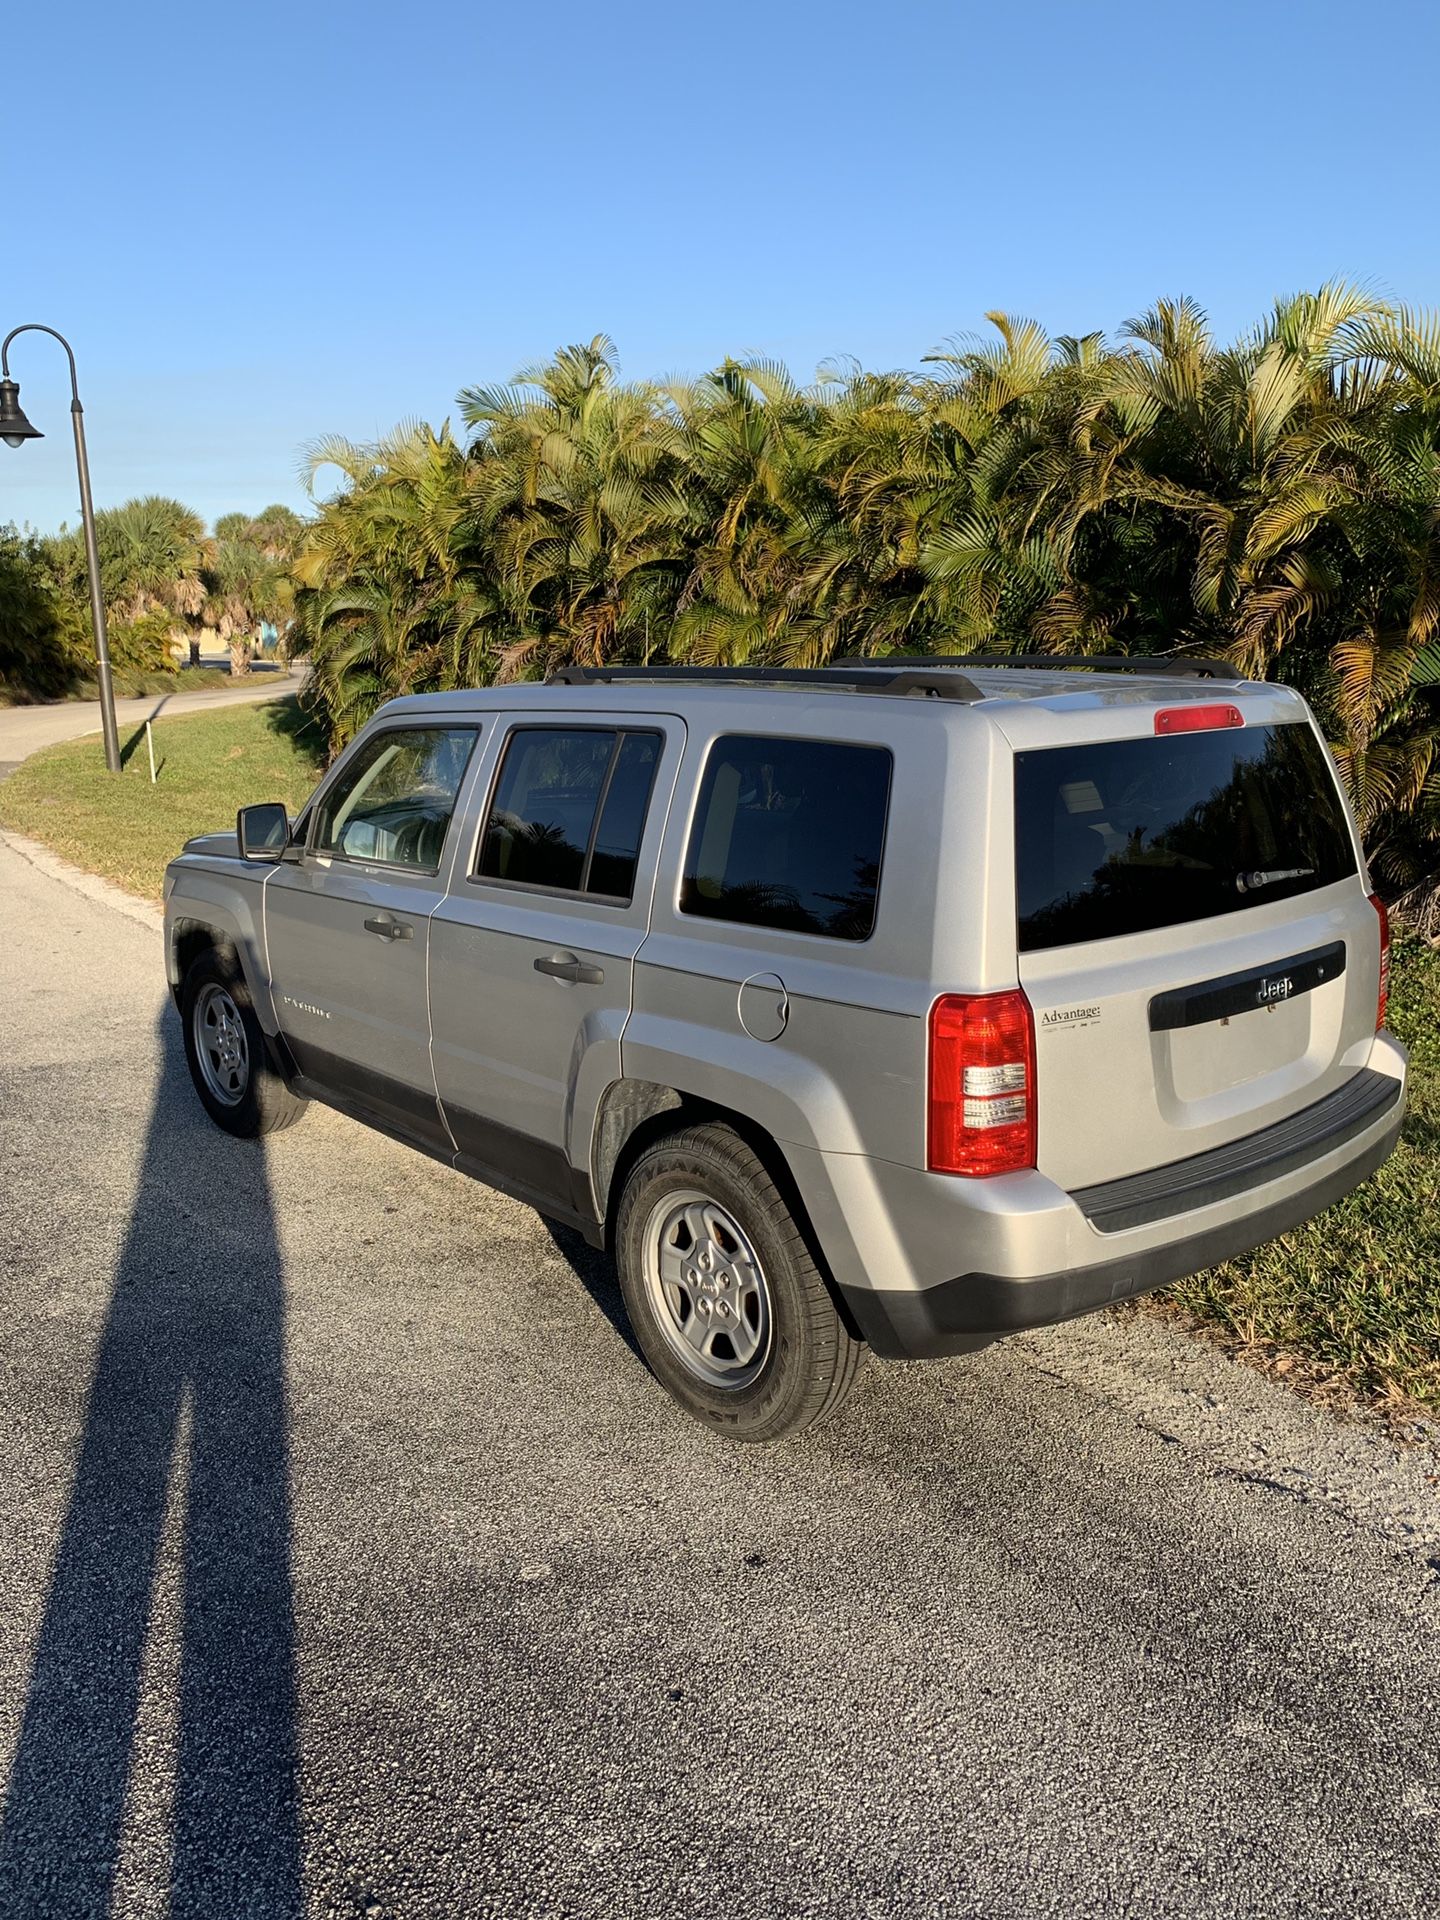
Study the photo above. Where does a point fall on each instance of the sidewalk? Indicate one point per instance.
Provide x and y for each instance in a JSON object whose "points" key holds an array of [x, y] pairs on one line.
{"points": [[25, 730]]}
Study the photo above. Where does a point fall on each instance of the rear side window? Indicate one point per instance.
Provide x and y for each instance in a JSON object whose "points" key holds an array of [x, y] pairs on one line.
{"points": [[622, 817], [1122, 836], [569, 810], [788, 834]]}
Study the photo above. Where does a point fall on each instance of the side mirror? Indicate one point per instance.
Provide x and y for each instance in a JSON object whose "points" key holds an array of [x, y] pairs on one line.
{"points": [[263, 832]]}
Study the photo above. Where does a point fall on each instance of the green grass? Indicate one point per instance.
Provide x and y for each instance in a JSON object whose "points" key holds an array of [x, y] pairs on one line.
{"points": [[130, 681], [209, 764], [1350, 1303]]}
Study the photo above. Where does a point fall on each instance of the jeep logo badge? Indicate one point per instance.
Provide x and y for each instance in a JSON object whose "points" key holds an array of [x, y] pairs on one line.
{"points": [[1271, 990]]}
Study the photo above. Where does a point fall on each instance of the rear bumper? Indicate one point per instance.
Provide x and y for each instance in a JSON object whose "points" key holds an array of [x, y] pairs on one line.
{"points": [[973, 1308]]}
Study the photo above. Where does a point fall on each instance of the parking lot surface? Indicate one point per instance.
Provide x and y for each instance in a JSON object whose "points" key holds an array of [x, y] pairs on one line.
{"points": [[351, 1563]]}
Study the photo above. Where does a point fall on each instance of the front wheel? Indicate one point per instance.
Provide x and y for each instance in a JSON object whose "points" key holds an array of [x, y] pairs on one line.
{"points": [[727, 1304], [225, 1050]]}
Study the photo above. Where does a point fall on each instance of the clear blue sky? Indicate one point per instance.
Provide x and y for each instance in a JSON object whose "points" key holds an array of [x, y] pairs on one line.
{"points": [[262, 223]]}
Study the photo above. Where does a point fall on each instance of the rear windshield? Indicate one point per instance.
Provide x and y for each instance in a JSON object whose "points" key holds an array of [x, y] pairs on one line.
{"points": [[1121, 836]]}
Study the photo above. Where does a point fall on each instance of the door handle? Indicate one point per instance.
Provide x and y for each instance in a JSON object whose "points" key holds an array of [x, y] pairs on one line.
{"points": [[390, 929], [565, 966]]}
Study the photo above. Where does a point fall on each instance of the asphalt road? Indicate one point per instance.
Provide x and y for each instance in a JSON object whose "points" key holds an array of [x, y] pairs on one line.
{"points": [[24, 730], [352, 1564]]}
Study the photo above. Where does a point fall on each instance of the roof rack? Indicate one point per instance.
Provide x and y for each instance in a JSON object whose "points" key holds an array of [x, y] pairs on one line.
{"points": [[913, 674], [1175, 665]]}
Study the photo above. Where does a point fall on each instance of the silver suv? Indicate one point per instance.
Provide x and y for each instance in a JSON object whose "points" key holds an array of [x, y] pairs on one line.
{"points": [[901, 1005]]}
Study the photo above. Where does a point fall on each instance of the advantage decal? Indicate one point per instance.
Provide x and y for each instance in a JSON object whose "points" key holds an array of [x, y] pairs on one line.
{"points": [[1071, 1017]]}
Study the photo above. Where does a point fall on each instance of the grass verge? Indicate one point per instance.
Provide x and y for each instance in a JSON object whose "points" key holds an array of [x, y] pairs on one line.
{"points": [[129, 682], [121, 826], [1348, 1306]]}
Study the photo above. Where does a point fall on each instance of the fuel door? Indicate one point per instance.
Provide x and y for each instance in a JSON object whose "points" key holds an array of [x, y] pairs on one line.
{"points": [[764, 1006]]}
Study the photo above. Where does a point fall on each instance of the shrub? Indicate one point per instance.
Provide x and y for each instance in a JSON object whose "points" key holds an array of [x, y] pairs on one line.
{"points": [[42, 644], [143, 645]]}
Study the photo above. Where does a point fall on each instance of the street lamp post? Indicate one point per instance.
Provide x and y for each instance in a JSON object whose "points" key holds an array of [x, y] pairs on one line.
{"points": [[15, 430]]}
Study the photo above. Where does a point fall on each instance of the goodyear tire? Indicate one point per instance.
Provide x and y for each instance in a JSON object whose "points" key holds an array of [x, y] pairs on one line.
{"points": [[726, 1302], [226, 1052]]}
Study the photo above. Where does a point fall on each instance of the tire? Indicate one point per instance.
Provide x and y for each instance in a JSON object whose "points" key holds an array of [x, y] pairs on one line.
{"points": [[766, 1353], [225, 1051]]}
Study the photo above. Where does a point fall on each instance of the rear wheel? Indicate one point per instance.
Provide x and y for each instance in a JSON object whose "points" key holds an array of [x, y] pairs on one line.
{"points": [[727, 1304], [225, 1050]]}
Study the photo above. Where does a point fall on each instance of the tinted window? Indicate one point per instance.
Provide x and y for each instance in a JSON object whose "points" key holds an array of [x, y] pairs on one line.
{"points": [[622, 817], [788, 834], [394, 801], [569, 809], [1122, 836]]}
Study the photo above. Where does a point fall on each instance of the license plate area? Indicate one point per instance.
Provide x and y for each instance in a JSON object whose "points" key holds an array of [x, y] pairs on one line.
{"points": [[1231, 994]]}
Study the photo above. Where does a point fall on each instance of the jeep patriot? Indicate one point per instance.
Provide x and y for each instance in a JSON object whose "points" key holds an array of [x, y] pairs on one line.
{"points": [[898, 1003]]}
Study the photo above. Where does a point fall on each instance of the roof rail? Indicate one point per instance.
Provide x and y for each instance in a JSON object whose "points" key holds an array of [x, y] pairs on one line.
{"points": [[1178, 665], [907, 674]]}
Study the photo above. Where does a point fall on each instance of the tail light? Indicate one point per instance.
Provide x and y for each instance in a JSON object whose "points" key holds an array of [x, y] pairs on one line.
{"points": [[982, 1084], [1384, 997]]}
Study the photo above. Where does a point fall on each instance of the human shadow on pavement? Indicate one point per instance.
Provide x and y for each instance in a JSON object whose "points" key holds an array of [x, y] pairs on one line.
{"points": [[191, 1357]]}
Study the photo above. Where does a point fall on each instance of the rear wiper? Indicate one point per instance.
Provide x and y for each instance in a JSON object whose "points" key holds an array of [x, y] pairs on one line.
{"points": [[1252, 882]]}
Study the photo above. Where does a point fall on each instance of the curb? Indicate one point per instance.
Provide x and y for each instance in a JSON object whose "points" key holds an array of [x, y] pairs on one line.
{"points": [[103, 892]]}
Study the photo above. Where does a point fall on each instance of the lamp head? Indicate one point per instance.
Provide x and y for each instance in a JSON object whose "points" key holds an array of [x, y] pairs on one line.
{"points": [[15, 429]]}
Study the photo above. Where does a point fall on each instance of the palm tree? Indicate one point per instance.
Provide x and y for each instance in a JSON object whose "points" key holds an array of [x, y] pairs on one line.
{"points": [[573, 508], [381, 602], [1273, 500], [248, 579], [152, 555]]}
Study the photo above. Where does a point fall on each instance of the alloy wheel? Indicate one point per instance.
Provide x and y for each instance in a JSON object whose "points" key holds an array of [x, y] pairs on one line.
{"points": [[708, 1289], [220, 1044]]}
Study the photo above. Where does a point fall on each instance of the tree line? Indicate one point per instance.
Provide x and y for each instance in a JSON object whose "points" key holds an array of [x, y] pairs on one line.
{"points": [[166, 581], [1274, 500]]}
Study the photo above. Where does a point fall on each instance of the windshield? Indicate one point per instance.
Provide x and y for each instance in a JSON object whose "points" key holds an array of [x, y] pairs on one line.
{"points": [[1122, 836]]}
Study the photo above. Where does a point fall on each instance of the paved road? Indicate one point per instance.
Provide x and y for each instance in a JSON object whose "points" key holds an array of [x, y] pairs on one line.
{"points": [[24, 730], [351, 1564]]}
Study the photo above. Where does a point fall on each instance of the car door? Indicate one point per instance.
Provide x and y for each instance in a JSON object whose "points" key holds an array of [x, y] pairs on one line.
{"points": [[347, 925], [532, 950]]}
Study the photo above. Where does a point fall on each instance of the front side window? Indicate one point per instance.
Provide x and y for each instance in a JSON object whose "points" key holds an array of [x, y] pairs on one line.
{"points": [[788, 834], [393, 802], [1124, 836], [569, 810]]}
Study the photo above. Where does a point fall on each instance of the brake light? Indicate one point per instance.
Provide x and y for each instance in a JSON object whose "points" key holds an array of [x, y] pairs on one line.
{"points": [[982, 1084], [1197, 719], [1383, 999]]}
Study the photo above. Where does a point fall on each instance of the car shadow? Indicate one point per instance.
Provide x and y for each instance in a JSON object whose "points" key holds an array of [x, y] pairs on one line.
{"points": [[187, 1407], [1421, 1133], [596, 1273]]}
